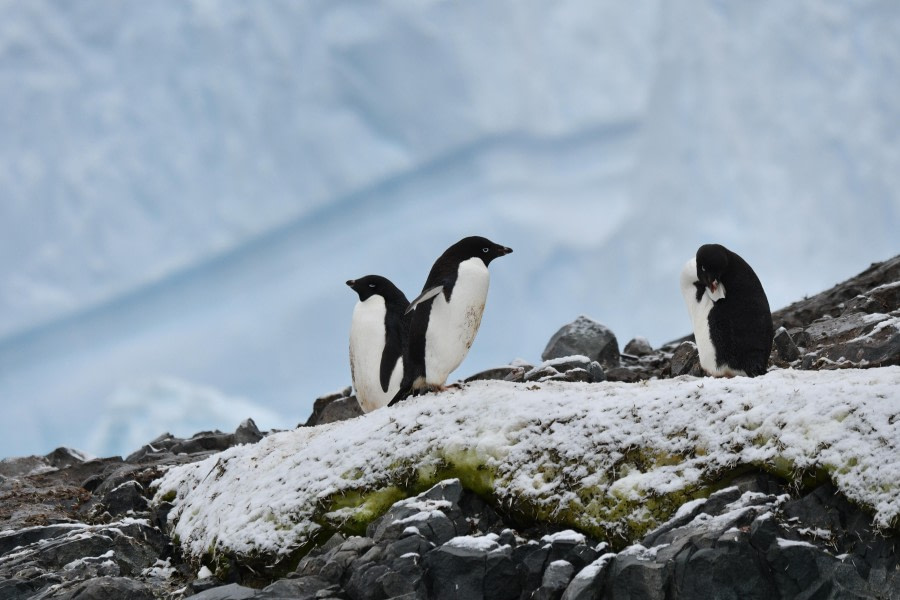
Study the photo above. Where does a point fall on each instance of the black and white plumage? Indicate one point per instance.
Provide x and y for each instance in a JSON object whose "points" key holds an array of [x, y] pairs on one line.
{"points": [[447, 314], [729, 312], [378, 334]]}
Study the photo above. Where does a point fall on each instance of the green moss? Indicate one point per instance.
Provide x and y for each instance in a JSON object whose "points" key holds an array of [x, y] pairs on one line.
{"points": [[364, 507], [169, 496]]}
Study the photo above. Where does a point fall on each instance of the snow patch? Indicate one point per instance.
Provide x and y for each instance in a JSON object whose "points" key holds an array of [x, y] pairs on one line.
{"points": [[549, 447], [482, 543], [783, 543], [566, 536]]}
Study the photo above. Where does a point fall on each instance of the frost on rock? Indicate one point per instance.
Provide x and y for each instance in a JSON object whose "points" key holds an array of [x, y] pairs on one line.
{"points": [[613, 460]]}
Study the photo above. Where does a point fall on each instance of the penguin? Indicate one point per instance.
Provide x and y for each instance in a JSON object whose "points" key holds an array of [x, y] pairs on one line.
{"points": [[729, 312], [445, 317], [378, 334]]}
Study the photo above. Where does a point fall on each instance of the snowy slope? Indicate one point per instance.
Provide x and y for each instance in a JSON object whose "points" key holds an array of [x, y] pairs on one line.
{"points": [[186, 185], [611, 458]]}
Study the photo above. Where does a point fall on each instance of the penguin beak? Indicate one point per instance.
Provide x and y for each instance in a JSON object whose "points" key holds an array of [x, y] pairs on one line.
{"points": [[504, 251], [351, 282], [716, 290]]}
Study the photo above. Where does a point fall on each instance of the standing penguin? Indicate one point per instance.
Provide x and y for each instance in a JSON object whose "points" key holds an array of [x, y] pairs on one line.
{"points": [[378, 334], [447, 314], [729, 311]]}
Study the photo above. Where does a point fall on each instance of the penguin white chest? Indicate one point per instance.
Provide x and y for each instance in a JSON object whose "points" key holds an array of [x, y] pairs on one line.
{"points": [[452, 325], [699, 312], [367, 341]]}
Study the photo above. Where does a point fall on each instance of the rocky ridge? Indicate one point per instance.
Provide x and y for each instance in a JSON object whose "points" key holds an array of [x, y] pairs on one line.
{"points": [[77, 527]]}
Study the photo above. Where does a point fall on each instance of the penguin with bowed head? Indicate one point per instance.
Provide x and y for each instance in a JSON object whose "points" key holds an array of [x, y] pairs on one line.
{"points": [[447, 314], [729, 311], [378, 334]]}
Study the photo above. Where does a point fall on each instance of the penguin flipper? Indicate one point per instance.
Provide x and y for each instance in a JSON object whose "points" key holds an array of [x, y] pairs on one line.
{"points": [[424, 296]]}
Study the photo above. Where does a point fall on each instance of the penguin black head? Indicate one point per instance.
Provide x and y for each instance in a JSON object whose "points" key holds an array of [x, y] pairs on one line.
{"points": [[376, 285], [477, 246], [712, 264]]}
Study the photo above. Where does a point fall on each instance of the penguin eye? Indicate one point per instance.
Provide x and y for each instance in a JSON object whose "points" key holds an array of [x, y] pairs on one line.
{"points": [[485, 250], [703, 269], [371, 285]]}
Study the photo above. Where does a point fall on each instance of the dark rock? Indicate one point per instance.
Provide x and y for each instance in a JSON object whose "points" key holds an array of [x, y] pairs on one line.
{"points": [[131, 547], [800, 337], [567, 363], [717, 501], [22, 466], [64, 457], [572, 376], [339, 559], [453, 572], [731, 569], [809, 361], [586, 337], [785, 346], [127, 497], [323, 401], [247, 433], [799, 567], [365, 582], [310, 565], [232, 591], [541, 372], [109, 588], [623, 374], [481, 517], [13, 589], [24, 537], [507, 373], [409, 544], [340, 410], [500, 575], [596, 371], [405, 577], [879, 275], [556, 578], [685, 360], [633, 577], [214, 441], [449, 490], [159, 515], [638, 347], [588, 584], [858, 338], [435, 514], [206, 583], [562, 543], [507, 537], [764, 531], [533, 561], [305, 588], [456, 571]]}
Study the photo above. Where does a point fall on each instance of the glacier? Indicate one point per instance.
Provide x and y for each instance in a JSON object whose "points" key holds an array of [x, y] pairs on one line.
{"points": [[187, 185]]}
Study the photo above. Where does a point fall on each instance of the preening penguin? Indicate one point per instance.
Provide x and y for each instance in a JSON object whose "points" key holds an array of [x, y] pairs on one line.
{"points": [[378, 333], [447, 314], [729, 312]]}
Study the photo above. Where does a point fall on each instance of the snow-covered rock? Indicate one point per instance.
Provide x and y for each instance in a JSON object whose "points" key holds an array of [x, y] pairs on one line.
{"points": [[613, 459]]}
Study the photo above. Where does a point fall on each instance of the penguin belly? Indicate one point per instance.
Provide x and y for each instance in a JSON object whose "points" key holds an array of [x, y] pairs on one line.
{"points": [[699, 309], [367, 341], [452, 325]]}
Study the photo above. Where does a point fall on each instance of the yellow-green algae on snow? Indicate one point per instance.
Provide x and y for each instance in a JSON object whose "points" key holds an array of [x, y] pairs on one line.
{"points": [[611, 460]]}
